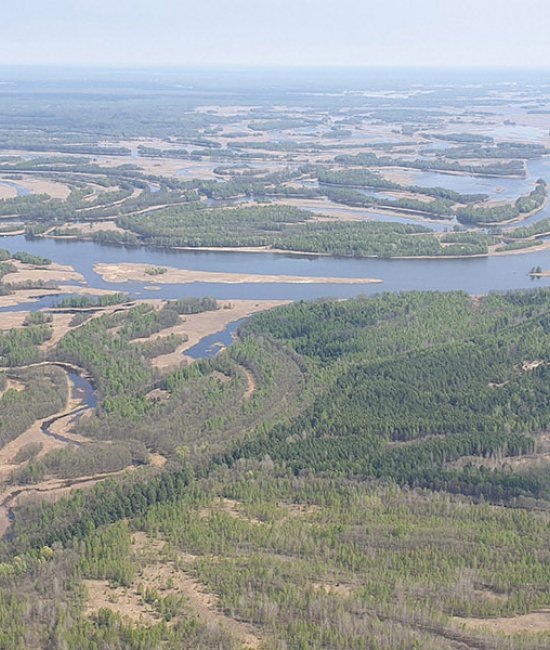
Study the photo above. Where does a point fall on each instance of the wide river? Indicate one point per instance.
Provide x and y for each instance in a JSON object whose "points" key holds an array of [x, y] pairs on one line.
{"points": [[476, 276]]}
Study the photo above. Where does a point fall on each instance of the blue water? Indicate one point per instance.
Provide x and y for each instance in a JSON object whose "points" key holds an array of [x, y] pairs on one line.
{"points": [[478, 275], [209, 346], [368, 215], [21, 191], [496, 188], [83, 389]]}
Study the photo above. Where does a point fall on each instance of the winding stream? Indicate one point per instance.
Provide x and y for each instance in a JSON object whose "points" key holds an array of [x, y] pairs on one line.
{"points": [[81, 390]]}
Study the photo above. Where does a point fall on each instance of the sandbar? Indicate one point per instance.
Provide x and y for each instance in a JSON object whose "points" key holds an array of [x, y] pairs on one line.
{"points": [[127, 272]]}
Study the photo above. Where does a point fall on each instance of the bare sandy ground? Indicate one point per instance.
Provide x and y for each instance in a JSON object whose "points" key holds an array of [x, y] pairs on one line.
{"points": [[83, 291], [197, 326], [45, 186], [533, 622], [11, 319], [17, 230], [7, 191], [336, 212], [164, 166], [169, 577], [53, 272], [27, 295], [87, 227], [136, 272]]}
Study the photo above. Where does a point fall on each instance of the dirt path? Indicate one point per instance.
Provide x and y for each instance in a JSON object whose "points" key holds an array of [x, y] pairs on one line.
{"points": [[252, 386]]}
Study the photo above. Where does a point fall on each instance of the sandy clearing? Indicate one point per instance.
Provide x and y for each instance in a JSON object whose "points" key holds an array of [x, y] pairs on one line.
{"points": [[87, 227], [137, 272], [234, 509], [196, 326], [25, 295], [121, 601], [9, 451], [7, 191], [53, 272], [251, 385], [13, 384], [338, 588], [12, 319], [205, 604], [60, 324], [45, 186], [326, 210], [167, 578], [533, 622]]}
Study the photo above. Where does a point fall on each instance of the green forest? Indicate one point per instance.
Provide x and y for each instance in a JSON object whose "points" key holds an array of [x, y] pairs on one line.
{"points": [[387, 476]]}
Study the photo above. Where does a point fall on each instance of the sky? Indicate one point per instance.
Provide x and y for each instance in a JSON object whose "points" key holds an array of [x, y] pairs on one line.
{"points": [[417, 33]]}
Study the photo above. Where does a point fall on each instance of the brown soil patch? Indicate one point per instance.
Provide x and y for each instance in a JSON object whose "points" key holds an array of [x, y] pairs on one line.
{"points": [[251, 387], [158, 395], [166, 578], [338, 588], [12, 319], [157, 460], [527, 366], [12, 384], [234, 509], [534, 622], [7, 191], [88, 228], [121, 600], [204, 603], [301, 509]]}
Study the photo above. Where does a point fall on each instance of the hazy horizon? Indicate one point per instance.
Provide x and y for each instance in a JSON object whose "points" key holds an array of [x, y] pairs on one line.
{"points": [[312, 33]]}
